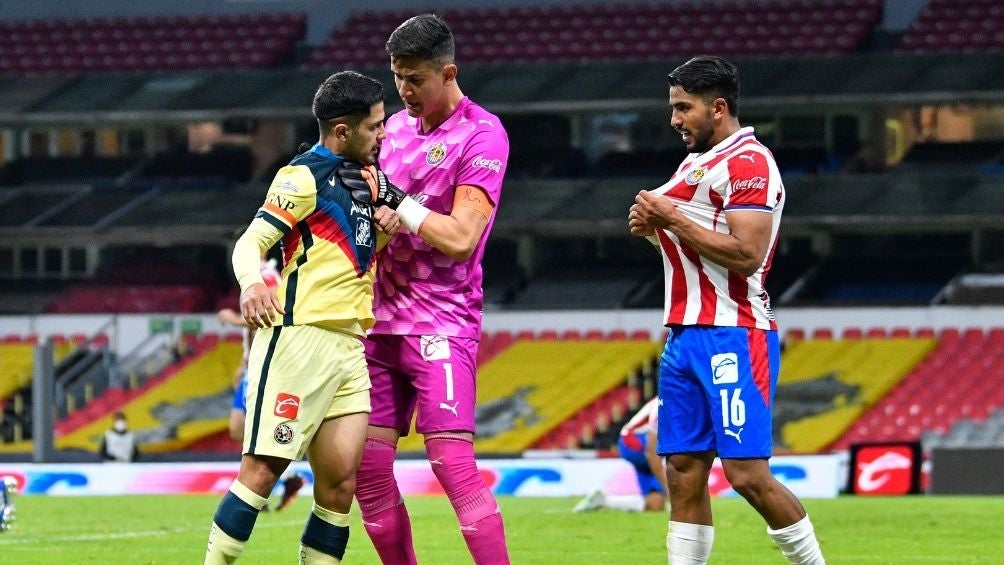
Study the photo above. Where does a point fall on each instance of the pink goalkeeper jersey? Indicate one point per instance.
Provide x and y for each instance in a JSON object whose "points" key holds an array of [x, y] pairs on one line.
{"points": [[419, 290], [738, 173]]}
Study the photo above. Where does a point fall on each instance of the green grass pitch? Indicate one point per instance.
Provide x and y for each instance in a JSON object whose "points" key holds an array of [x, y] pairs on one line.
{"points": [[173, 529]]}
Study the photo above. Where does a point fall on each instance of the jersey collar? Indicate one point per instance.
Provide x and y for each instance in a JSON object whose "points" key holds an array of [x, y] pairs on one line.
{"points": [[738, 137], [448, 122]]}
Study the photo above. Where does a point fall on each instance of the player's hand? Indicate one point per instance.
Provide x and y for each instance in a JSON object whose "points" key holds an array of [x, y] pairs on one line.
{"points": [[654, 211], [636, 225], [369, 182], [386, 220], [259, 306]]}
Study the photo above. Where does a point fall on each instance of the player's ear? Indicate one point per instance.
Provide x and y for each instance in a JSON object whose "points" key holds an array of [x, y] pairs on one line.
{"points": [[719, 107], [341, 131], [449, 73]]}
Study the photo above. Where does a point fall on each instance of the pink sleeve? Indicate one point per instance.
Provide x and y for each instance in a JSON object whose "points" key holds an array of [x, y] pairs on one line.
{"points": [[484, 161]]}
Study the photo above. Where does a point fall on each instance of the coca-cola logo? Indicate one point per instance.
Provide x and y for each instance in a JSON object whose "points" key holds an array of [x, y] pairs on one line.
{"points": [[884, 470], [480, 162], [752, 183]]}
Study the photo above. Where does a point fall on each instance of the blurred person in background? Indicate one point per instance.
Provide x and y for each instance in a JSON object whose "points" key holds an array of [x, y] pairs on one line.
{"points": [[636, 445], [119, 444]]}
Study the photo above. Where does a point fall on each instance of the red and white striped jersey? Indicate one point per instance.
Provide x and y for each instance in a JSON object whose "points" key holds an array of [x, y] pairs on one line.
{"points": [[738, 173], [645, 420]]}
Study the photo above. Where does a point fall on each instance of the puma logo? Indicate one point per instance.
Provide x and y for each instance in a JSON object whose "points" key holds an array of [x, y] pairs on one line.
{"points": [[376, 524], [735, 434], [453, 408], [748, 156], [436, 461]]}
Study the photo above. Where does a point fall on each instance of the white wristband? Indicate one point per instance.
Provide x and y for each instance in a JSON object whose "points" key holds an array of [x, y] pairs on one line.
{"points": [[412, 214]]}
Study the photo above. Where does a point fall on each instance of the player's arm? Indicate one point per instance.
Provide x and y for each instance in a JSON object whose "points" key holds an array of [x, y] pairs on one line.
{"points": [[456, 234], [291, 198], [655, 463], [741, 250]]}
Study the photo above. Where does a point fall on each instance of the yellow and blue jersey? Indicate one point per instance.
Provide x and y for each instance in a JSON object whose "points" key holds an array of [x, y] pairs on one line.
{"points": [[328, 242]]}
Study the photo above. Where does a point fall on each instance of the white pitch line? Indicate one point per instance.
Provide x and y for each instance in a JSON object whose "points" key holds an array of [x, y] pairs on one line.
{"points": [[126, 535]]}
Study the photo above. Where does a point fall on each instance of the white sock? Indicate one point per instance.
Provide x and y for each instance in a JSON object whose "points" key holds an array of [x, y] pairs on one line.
{"points": [[627, 503], [798, 543], [689, 544]]}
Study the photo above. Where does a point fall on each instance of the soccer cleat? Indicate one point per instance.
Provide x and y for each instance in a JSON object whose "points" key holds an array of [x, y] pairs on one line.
{"points": [[593, 501], [290, 488]]}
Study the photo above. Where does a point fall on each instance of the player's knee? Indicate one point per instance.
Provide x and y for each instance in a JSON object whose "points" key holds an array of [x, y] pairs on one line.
{"points": [[747, 482], [336, 495], [452, 460]]}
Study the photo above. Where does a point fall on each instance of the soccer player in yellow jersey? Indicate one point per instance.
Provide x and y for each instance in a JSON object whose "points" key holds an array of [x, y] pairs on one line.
{"points": [[308, 386]]}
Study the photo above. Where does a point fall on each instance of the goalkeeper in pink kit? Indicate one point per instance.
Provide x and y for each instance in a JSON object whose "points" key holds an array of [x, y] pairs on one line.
{"points": [[442, 167]]}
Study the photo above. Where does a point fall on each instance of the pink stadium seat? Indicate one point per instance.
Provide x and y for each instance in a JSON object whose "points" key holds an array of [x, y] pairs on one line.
{"points": [[595, 334], [571, 335], [617, 334], [900, 332], [876, 333], [548, 335]]}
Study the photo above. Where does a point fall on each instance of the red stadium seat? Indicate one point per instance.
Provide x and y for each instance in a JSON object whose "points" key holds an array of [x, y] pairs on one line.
{"points": [[852, 333], [822, 333]]}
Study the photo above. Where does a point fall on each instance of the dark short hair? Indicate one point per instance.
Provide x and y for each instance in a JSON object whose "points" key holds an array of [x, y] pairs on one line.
{"points": [[346, 95], [709, 76], [426, 37]]}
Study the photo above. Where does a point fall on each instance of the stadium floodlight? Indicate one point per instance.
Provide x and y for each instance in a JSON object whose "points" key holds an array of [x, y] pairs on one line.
{"points": [[7, 503]]}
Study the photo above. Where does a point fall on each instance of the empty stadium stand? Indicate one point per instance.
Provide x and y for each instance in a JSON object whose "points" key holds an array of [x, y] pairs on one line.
{"points": [[945, 399], [826, 384], [189, 401], [148, 43], [956, 26], [627, 31]]}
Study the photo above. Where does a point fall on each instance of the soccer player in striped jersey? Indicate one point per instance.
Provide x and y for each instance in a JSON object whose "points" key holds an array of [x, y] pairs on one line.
{"points": [[448, 156], [308, 386], [715, 224]]}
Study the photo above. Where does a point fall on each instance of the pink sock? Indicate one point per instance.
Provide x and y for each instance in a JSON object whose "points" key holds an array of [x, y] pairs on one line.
{"points": [[453, 463], [384, 514]]}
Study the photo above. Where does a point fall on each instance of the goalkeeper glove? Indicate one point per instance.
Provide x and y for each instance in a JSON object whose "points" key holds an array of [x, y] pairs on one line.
{"points": [[370, 185]]}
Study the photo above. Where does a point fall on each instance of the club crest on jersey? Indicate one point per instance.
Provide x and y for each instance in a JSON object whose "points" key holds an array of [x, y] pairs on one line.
{"points": [[283, 434], [363, 232], [436, 154], [695, 175], [434, 347], [286, 406]]}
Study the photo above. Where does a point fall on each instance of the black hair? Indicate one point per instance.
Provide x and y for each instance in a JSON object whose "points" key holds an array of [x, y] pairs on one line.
{"points": [[426, 37], [711, 77], [347, 95]]}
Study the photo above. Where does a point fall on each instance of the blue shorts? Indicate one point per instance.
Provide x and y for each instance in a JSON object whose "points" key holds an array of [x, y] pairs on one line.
{"points": [[716, 386], [632, 450], [240, 394]]}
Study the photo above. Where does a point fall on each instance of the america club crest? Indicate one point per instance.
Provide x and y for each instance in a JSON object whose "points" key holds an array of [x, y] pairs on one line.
{"points": [[283, 434], [436, 154], [695, 175]]}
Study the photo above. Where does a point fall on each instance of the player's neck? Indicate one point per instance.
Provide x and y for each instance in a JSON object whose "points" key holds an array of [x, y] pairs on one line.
{"points": [[728, 129], [435, 119]]}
